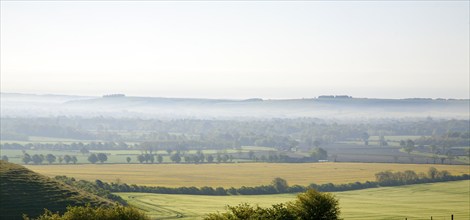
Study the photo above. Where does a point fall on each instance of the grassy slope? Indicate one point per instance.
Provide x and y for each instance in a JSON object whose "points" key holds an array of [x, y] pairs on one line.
{"points": [[421, 201], [236, 175], [24, 191]]}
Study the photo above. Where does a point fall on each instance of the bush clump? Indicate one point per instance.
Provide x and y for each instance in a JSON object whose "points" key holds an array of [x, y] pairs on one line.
{"points": [[88, 212], [309, 205]]}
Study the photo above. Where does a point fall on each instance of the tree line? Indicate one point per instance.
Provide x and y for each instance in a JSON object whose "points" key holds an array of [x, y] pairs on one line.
{"points": [[50, 158], [175, 157], [279, 185], [199, 134]]}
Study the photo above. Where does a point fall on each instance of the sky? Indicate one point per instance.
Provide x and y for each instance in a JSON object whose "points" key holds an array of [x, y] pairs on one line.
{"points": [[237, 49]]}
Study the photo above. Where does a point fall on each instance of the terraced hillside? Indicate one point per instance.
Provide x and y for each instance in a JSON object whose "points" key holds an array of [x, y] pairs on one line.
{"points": [[23, 191]]}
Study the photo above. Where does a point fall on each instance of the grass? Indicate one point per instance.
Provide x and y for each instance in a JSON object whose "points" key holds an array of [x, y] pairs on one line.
{"points": [[234, 174], [421, 201], [23, 191]]}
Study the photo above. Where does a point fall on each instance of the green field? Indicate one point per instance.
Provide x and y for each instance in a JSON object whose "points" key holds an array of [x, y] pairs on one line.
{"points": [[421, 201], [234, 174]]}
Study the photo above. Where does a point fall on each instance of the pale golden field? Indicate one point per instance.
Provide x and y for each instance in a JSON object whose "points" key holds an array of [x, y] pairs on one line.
{"points": [[236, 174]]}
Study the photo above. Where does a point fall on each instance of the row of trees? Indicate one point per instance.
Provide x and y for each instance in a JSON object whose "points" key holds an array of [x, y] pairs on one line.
{"points": [[196, 134], [389, 178], [50, 158], [91, 187], [316, 155], [101, 157], [279, 185], [177, 157]]}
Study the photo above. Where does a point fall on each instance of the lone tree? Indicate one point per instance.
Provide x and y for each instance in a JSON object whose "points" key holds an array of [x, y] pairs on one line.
{"points": [[365, 138], [37, 159], [141, 158], [50, 158], [176, 158], [102, 157], [74, 159], [409, 146], [128, 159], [26, 158], [210, 159], [309, 205], [67, 159], [319, 154], [316, 205], [280, 184], [93, 158], [159, 158]]}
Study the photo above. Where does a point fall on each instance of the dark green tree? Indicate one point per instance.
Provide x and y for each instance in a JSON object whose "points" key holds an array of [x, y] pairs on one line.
{"points": [[37, 159], [26, 158], [141, 158], [50, 158], [315, 205], [102, 157], [319, 154], [67, 159], [365, 138], [93, 158], [176, 157], [210, 159], [159, 158], [409, 146], [280, 184], [74, 159]]}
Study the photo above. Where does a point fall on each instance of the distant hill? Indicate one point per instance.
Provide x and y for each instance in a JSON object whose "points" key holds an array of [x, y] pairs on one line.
{"points": [[327, 107], [23, 191]]}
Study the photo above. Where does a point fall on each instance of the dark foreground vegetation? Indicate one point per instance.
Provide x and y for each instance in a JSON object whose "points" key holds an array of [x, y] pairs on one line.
{"points": [[23, 191], [309, 205], [278, 185], [93, 213]]}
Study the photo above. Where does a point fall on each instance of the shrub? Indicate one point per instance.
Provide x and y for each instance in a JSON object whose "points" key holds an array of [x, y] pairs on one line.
{"points": [[309, 205], [94, 213]]}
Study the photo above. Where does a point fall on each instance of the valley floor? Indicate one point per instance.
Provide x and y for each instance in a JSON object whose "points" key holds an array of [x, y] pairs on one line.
{"points": [[421, 201]]}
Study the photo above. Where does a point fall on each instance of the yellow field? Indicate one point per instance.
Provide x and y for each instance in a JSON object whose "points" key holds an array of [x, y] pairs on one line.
{"points": [[236, 175]]}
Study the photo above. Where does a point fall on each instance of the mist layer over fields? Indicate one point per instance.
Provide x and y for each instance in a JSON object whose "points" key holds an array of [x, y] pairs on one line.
{"points": [[326, 107]]}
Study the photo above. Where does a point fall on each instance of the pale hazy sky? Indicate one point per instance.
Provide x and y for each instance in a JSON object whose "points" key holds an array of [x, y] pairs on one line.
{"points": [[238, 49]]}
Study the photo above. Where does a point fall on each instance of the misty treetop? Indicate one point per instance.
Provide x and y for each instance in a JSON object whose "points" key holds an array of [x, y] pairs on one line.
{"points": [[283, 134]]}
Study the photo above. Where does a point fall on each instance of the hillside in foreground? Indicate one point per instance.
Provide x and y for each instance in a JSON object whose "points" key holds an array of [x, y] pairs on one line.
{"points": [[23, 191]]}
